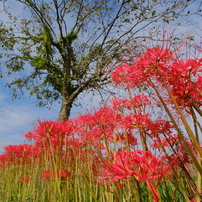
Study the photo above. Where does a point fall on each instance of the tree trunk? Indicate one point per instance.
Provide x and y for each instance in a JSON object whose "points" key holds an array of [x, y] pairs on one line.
{"points": [[65, 110]]}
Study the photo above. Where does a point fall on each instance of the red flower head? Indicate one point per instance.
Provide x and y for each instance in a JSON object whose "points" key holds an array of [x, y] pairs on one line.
{"points": [[25, 179], [144, 166]]}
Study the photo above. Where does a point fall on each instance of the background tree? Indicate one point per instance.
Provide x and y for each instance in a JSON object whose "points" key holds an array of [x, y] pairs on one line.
{"points": [[61, 48]]}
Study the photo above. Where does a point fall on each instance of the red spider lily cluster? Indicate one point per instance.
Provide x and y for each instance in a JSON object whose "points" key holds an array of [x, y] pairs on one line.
{"points": [[159, 67], [138, 165], [119, 138]]}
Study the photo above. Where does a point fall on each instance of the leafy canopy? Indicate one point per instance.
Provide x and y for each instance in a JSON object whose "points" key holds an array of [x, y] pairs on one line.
{"points": [[57, 49]]}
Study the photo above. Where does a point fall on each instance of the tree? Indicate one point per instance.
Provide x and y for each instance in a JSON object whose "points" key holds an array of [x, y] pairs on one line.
{"points": [[61, 47]]}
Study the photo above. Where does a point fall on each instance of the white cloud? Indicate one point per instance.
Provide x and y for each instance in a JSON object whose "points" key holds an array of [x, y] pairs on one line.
{"points": [[14, 116], [10, 140], [17, 118], [14, 121]]}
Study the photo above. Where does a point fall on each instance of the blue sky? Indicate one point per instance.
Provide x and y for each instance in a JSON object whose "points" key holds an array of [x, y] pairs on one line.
{"points": [[17, 117]]}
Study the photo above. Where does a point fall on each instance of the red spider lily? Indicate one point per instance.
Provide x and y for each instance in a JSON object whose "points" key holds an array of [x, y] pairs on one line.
{"points": [[62, 173], [23, 153], [144, 68], [120, 104], [170, 141], [126, 136], [183, 77], [50, 132], [3, 160], [151, 60], [137, 102], [144, 166], [25, 179], [103, 122], [141, 100], [128, 75], [157, 54], [187, 68], [180, 155], [135, 121], [155, 128], [46, 174]]}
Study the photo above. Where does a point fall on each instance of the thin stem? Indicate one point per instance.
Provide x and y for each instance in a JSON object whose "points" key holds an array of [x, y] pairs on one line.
{"points": [[198, 155], [139, 191], [186, 125], [142, 136], [178, 130]]}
